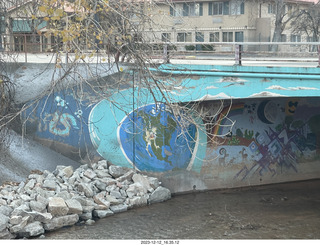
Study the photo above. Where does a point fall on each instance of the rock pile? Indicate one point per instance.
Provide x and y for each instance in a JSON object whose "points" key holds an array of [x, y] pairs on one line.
{"points": [[47, 201]]}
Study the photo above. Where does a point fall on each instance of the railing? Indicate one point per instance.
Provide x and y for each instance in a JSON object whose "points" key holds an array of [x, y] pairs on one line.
{"points": [[247, 51], [236, 52]]}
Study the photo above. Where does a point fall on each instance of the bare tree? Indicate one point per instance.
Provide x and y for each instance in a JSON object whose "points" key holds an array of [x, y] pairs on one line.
{"points": [[309, 23]]}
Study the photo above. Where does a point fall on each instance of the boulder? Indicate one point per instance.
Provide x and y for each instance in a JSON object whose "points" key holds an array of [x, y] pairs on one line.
{"points": [[17, 228], [101, 201], [119, 208], [3, 221], [32, 229], [86, 189], [136, 189], [116, 194], [117, 171], [57, 206], [143, 180], [37, 216], [14, 220], [49, 183], [37, 206], [74, 206], [138, 201], [6, 210], [66, 172], [102, 173], [61, 221], [85, 216], [102, 213], [127, 176], [159, 195], [112, 200], [89, 174], [6, 234]]}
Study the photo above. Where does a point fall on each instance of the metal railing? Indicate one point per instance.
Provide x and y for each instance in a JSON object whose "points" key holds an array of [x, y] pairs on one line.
{"points": [[236, 52]]}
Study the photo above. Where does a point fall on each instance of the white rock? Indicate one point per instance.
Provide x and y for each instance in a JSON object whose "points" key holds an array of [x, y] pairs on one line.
{"points": [[112, 200], [3, 221], [136, 189], [154, 182], [117, 171], [32, 229], [74, 206], [50, 183], [66, 172], [17, 228], [3, 202], [85, 216], [127, 176], [89, 174], [102, 213], [90, 222], [101, 201], [65, 195], [6, 234], [116, 194], [6, 210], [86, 189], [119, 208], [159, 195], [61, 221], [14, 220], [102, 173], [143, 180], [138, 201], [57, 206], [37, 206], [30, 184]]}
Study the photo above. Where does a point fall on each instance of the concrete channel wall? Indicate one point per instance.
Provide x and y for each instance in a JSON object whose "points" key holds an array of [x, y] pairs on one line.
{"points": [[250, 126]]}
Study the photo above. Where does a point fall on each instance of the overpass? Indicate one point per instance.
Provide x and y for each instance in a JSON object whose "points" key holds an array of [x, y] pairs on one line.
{"points": [[239, 125]]}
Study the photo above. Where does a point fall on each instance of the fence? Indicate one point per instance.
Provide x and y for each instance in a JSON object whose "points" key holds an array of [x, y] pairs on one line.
{"points": [[238, 52]]}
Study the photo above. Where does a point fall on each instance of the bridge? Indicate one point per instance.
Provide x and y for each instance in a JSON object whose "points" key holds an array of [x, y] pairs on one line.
{"points": [[238, 123]]}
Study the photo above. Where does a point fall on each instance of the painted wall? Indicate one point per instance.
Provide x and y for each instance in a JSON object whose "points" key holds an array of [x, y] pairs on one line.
{"points": [[231, 142]]}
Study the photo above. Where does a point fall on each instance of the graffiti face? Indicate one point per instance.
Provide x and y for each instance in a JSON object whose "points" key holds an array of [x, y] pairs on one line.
{"points": [[291, 106]]}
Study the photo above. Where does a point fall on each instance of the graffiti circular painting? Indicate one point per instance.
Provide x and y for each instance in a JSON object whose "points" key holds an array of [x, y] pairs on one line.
{"points": [[153, 139]]}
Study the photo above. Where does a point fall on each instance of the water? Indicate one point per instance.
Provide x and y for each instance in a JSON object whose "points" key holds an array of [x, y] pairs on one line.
{"points": [[282, 211]]}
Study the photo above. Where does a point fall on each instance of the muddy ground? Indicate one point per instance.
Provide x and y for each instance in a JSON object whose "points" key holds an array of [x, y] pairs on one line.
{"points": [[282, 211]]}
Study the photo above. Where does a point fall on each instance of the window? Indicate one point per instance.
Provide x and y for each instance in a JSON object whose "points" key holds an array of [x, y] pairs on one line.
{"points": [[166, 37], [176, 10], [184, 37], [283, 37], [227, 37], [219, 8], [187, 9], [214, 37], [271, 8], [239, 36], [192, 9], [236, 7], [199, 37], [295, 38]]}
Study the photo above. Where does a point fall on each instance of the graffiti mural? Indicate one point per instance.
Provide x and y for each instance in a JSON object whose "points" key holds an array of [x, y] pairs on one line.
{"points": [[268, 137], [150, 138]]}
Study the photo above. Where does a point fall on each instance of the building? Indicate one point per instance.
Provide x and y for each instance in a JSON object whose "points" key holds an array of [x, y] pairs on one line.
{"points": [[225, 21]]}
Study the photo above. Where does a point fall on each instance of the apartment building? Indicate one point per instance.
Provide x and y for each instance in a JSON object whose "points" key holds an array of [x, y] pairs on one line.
{"points": [[175, 21], [223, 21]]}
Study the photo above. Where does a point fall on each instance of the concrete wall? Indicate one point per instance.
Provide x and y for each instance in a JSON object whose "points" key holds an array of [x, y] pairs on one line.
{"points": [[241, 133]]}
